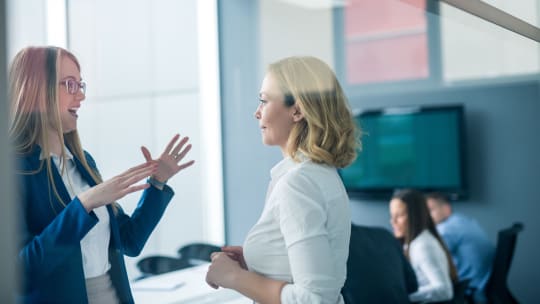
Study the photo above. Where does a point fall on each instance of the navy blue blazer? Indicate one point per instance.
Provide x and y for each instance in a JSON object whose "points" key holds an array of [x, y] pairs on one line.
{"points": [[50, 253]]}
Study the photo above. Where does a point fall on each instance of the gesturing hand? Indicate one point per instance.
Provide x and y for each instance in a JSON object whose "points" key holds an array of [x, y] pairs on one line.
{"points": [[117, 187], [168, 160]]}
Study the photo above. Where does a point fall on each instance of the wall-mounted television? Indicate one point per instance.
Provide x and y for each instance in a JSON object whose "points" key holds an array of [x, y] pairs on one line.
{"points": [[409, 147]]}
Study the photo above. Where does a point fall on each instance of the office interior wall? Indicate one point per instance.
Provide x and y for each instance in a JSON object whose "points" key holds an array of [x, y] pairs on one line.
{"points": [[27, 22], [465, 39], [498, 82], [502, 151], [291, 30], [8, 276], [503, 145], [245, 160]]}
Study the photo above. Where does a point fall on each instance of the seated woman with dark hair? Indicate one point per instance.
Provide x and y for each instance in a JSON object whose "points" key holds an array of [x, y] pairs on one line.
{"points": [[429, 257]]}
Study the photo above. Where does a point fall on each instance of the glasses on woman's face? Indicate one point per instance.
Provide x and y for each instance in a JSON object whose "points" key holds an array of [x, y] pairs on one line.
{"points": [[73, 86]]}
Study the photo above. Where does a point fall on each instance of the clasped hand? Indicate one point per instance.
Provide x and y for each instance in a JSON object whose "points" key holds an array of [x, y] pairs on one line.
{"points": [[119, 186], [225, 265]]}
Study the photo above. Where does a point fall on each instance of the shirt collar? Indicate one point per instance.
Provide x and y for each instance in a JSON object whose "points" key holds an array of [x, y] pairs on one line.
{"points": [[286, 164], [68, 154]]}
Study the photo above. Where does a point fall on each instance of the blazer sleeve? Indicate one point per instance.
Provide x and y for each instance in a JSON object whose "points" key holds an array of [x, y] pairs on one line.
{"points": [[41, 254], [48, 237], [136, 229]]}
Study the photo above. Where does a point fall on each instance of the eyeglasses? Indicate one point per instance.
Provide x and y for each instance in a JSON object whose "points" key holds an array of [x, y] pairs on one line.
{"points": [[73, 86]]}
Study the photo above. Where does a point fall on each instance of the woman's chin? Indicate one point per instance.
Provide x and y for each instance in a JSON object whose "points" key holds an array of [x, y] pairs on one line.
{"points": [[69, 129]]}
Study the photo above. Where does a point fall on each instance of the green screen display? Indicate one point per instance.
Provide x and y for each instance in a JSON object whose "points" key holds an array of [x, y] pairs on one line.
{"points": [[417, 149]]}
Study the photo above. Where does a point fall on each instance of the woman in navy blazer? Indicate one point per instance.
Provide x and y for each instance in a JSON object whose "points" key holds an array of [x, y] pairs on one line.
{"points": [[74, 235]]}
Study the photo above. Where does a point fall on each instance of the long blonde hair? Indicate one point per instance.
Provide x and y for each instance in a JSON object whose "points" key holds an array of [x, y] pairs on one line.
{"points": [[327, 134], [33, 96]]}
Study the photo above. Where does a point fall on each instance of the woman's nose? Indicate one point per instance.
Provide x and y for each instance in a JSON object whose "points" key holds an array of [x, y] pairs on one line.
{"points": [[257, 113], [81, 96]]}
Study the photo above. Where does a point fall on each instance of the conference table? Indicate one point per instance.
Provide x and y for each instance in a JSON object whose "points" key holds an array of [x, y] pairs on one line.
{"points": [[186, 286]]}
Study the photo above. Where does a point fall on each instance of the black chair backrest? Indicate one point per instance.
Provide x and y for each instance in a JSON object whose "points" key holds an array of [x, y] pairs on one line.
{"points": [[190, 255], [198, 251], [377, 270], [159, 264], [497, 289], [459, 292]]}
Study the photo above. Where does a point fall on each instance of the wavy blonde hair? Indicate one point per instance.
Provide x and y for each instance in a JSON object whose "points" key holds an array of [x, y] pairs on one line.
{"points": [[327, 134], [33, 96]]}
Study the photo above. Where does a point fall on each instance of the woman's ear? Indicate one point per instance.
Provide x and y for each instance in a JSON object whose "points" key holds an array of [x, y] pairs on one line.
{"points": [[297, 114]]}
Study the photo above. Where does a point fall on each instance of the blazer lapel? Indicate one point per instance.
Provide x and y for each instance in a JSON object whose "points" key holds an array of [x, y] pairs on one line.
{"points": [[84, 173], [59, 183], [60, 186]]}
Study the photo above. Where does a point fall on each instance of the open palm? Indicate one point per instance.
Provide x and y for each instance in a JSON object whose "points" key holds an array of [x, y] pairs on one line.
{"points": [[169, 160]]}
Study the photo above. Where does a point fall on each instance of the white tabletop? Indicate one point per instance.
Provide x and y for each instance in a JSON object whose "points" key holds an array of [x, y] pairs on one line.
{"points": [[186, 286]]}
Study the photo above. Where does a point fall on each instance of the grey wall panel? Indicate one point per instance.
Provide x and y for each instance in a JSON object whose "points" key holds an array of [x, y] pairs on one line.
{"points": [[246, 162], [8, 278]]}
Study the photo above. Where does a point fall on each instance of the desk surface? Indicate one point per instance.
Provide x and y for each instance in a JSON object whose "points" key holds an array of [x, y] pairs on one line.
{"points": [[186, 286]]}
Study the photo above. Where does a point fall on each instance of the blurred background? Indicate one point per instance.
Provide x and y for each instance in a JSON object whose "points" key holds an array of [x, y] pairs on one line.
{"points": [[157, 67]]}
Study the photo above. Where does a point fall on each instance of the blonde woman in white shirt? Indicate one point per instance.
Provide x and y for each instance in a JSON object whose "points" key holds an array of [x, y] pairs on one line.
{"points": [[297, 251], [429, 257]]}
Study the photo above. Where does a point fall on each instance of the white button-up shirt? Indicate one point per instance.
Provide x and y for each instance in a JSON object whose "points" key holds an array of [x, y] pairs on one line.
{"points": [[95, 244], [431, 267], [302, 236]]}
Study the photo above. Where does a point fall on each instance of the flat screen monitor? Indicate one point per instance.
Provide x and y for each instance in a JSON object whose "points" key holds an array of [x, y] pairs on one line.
{"points": [[409, 147]]}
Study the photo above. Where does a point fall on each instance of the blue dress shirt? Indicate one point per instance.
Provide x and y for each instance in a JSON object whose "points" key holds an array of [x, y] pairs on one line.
{"points": [[470, 248]]}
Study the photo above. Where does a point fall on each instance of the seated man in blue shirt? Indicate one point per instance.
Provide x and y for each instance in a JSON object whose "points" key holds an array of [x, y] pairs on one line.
{"points": [[467, 242]]}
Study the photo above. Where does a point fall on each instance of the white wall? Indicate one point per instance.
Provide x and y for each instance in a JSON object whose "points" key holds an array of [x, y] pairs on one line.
{"points": [[476, 49], [471, 48], [289, 30], [26, 25]]}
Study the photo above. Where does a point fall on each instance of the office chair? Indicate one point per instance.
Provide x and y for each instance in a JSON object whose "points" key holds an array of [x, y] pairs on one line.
{"points": [[459, 292], [377, 270], [497, 289], [197, 253], [190, 255], [159, 264]]}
